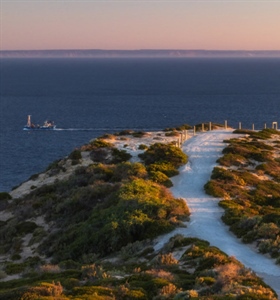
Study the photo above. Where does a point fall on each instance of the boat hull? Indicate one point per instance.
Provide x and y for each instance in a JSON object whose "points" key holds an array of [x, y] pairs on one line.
{"points": [[39, 128]]}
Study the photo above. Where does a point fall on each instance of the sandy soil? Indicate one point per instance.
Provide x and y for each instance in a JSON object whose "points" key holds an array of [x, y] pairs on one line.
{"points": [[46, 177]]}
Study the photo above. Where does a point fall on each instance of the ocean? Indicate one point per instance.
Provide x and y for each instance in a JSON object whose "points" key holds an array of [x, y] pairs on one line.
{"points": [[89, 97]]}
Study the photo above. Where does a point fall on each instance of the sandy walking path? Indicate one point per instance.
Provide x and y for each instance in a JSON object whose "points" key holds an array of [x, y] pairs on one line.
{"points": [[205, 222]]}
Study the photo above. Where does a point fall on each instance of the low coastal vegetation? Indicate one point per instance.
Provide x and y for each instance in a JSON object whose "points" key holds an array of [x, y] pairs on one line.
{"points": [[200, 271], [101, 207], [248, 182], [91, 235]]}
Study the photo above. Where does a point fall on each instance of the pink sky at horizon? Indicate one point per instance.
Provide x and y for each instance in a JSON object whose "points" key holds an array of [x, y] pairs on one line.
{"points": [[130, 25]]}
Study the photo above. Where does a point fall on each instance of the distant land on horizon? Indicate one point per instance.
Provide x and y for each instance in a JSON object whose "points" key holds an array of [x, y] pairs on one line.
{"points": [[99, 53]]}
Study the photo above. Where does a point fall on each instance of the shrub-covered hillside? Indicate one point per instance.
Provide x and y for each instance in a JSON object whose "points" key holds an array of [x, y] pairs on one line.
{"points": [[248, 182], [97, 210], [84, 230]]}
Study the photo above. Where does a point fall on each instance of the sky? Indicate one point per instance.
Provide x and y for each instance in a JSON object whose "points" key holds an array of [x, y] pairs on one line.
{"points": [[140, 24]]}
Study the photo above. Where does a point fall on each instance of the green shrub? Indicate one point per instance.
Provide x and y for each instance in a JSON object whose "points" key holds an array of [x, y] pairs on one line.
{"points": [[134, 249], [261, 145], [249, 150], [129, 171], [172, 133], [75, 162], [142, 147], [38, 234], [243, 131], [207, 280], [95, 291], [160, 178], [166, 168], [100, 155], [2, 276], [107, 136], [267, 192], [223, 174], [264, 134], [75, 155], [99, 143], [26, 227], [249, 178], [44, 289], [272, 218], [214, 189], [52, 166], [15, 256], [139, 134], [96, 144], [5, 196], [231, 159], [119, 156], [180, 128], [12, 268], [164, 153], [271, 168], [109, 155], [183, 127], [125, 132]]}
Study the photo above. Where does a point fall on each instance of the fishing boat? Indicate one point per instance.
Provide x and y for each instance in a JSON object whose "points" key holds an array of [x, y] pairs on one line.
{"points": [[48, 125]]}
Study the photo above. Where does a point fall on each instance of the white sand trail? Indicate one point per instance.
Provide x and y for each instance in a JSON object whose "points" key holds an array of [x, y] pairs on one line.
{"points": [[205, 222]]}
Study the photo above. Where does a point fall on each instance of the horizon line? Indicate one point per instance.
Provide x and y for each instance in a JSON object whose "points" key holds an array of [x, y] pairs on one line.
{"points": [[141, 49], [138, 53]]}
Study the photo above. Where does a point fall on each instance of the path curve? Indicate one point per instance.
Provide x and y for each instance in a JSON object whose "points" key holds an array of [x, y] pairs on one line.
{"points": [[205, 221]]}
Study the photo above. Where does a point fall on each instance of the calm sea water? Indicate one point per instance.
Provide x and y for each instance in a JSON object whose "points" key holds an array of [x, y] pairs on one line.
{"points": [[88, 97]]}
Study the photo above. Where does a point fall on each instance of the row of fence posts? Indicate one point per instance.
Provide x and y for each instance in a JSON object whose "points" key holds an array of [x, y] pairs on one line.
{"points": [[184, 135], [273, 126]]}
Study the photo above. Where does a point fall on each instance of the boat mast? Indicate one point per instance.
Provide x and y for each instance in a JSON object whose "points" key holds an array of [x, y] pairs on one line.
{"points": [[29, 121]]}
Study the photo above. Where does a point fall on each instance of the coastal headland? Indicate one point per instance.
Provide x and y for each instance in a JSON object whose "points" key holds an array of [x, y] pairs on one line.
{"points": [[139, 215]]}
